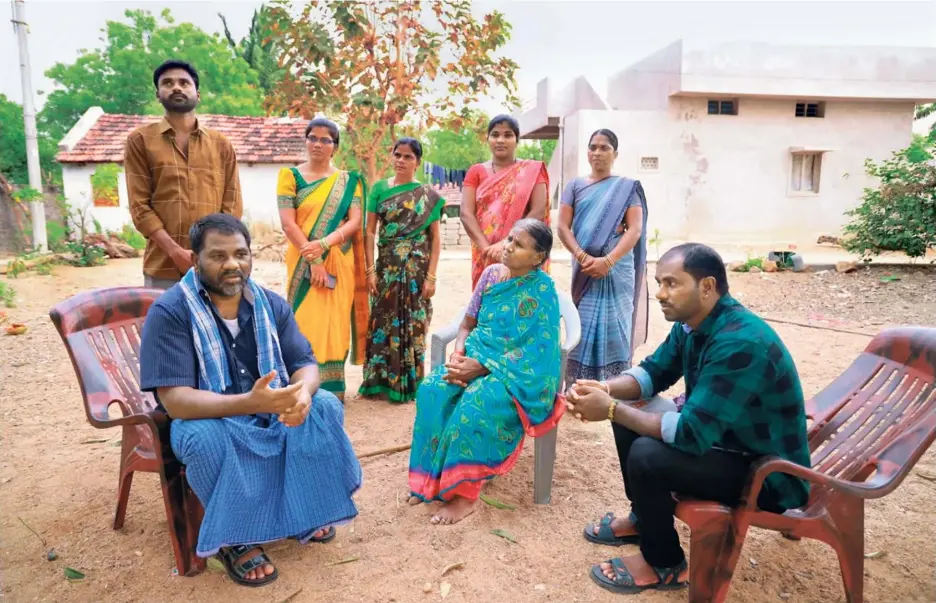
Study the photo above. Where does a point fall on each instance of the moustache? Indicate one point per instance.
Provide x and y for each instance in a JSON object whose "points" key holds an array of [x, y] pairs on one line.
{"points": [[231, 273]]}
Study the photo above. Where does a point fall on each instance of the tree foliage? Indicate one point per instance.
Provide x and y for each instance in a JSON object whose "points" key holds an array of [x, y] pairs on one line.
{"points": [[460, 145], [541, 150], [119, 76], [924, 111], [13, 146], [257, 49], [899, 215], [374, 65]]}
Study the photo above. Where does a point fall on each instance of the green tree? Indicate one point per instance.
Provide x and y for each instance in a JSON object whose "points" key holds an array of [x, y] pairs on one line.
{"points": [[923, 111], [900, 214], [375, 65], [541, 150], [119, 77], [460, 146], [257, 49], [13, 147]]}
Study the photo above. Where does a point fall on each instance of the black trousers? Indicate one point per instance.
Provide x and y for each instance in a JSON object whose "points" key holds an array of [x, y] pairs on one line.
{"points": [[653, 471]]}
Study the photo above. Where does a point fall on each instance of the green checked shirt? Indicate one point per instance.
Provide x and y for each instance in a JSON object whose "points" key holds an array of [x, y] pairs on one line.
{"points": [[743, 393]]}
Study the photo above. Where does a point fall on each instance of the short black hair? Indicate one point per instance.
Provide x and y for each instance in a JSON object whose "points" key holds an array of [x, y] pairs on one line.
{"points": [[175, 64], [504, 119], [701, 261], [223, 223], [413, 144], [611, 136], [323, 122], [542, 235]]}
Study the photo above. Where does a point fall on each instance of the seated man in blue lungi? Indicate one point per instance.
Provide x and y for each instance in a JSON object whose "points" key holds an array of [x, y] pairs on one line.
{"points": [[264, 449]]}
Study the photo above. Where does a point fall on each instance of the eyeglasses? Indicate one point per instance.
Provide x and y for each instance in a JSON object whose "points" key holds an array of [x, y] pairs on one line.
{"points": [[324, 141]]}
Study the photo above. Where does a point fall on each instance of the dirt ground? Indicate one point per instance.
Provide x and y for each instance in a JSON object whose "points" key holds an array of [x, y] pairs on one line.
{"points": [[59, 479]]}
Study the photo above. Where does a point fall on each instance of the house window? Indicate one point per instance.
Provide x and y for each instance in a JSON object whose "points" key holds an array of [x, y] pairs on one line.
{"points": [[723, 106], [804, 172], [649, 164], [810, 109]]}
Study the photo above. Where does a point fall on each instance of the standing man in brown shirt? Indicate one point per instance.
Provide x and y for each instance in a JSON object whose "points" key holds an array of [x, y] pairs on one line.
{"points": [[177, 172]]}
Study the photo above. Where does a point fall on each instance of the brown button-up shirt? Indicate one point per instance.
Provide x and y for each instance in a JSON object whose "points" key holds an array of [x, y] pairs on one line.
{"points": [[170, 190]]}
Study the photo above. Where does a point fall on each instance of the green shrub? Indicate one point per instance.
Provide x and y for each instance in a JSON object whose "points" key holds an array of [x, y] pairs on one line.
{"points": [[7, 295], [899, 215], [132, 237]]}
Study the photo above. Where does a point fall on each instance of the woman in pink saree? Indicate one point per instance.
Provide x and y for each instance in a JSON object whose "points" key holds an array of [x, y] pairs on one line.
{"points": [[500, 192]]}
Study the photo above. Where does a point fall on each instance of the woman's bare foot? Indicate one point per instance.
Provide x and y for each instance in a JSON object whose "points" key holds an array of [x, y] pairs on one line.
{"points": [[413, 501], [259, 573], [454, 511]]}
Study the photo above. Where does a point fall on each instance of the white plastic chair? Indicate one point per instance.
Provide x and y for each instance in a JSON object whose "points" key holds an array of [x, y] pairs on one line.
{"points": [[544, 448]]}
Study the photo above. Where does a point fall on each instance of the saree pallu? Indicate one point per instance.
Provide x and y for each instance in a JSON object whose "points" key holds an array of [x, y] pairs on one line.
{"points": [[613, 309], [333, 320], [500, 201], [400, 315], [463, 437]]}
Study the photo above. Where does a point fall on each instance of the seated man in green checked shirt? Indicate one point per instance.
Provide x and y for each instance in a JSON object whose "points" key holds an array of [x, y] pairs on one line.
{"points": [[743, 401]]}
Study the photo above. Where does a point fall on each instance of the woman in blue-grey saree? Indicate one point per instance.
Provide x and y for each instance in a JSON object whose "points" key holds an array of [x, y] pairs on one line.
{"points": [[501, 382], [603, 223]]}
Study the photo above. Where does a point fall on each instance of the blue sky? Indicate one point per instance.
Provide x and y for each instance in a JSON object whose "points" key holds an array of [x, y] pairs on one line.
{"points": [[559, 39]]}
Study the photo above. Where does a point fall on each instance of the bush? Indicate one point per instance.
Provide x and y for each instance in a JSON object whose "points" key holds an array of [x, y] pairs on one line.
{"points": [[132, 237], [899, 215], [7, 295]]}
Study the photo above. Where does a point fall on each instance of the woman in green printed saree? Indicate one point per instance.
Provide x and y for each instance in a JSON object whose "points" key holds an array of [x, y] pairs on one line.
{"points": [[403, 280], [501, 382], [320, 210]]}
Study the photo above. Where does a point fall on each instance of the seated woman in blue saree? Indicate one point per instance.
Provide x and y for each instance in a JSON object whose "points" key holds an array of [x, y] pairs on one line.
{"points": [[603, 223], [501, 382]]}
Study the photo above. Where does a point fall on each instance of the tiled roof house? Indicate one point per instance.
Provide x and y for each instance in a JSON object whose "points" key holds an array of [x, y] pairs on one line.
{"points": [[263, 146]]}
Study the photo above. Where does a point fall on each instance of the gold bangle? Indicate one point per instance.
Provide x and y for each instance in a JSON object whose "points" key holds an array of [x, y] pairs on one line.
{"points": [[431, 277], [341, 234], [611, 410], [370, 270], [608, 261], [324, 244]]}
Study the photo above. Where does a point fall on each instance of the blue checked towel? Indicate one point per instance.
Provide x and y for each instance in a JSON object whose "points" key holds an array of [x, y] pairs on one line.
{"points": [[214, 373]]}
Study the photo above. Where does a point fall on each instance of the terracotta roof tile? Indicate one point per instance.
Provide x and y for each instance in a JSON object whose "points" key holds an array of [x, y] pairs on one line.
{"points": [[255, 139]]}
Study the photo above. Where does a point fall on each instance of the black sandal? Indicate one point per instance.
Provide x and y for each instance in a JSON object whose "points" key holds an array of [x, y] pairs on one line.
{"points": [[330, 534], [237, 571], [624, 583], [606, 535]]}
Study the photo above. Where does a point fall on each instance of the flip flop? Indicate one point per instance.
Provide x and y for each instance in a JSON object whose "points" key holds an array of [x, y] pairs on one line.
{"points": [[238, 571], [624, 583], [606, 536], [328, 537]]}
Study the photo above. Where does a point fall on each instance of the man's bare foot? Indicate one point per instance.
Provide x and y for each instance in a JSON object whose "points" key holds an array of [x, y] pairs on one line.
{"points": [[620, 527], [643, 574], [256, 574], [321, 533], [454, 511], [413, 501]]}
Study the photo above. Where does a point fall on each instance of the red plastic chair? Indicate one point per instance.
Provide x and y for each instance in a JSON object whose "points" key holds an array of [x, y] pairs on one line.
{"points": [[870, 426], [101, 330]]}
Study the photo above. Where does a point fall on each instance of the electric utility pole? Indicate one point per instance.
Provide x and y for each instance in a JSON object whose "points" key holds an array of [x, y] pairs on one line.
{"points": [[37, 209]]}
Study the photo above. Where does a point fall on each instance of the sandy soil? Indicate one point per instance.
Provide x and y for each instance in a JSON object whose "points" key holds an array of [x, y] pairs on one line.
{"points": [[60, 480]]}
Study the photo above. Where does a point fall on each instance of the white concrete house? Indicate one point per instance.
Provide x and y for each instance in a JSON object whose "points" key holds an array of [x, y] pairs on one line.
{"points": [[744, 143], [263, 146]]}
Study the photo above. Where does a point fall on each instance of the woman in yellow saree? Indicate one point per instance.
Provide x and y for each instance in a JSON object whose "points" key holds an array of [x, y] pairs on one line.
{"points": [[320, 210]]}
